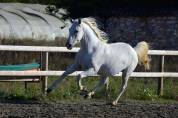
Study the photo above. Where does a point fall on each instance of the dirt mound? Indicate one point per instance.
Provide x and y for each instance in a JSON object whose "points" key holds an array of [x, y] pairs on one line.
{"points": [[88, 109]]}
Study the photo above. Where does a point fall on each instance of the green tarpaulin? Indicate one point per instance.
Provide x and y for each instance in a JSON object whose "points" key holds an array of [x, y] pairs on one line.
{"points": [[19, 67]]}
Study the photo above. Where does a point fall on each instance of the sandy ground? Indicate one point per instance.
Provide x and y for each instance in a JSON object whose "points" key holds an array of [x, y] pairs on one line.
{"points": [[87, 109]]}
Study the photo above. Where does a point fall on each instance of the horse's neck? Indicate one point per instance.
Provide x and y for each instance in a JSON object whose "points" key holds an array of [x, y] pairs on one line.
{"points": [[90, 41]]}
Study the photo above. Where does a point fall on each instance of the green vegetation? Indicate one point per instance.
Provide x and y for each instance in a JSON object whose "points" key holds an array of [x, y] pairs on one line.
{"points": [[138, 89]]}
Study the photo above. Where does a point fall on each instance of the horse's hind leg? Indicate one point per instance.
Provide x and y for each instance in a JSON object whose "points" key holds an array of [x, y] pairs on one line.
{"points": [[125, 77], [107, 87]]}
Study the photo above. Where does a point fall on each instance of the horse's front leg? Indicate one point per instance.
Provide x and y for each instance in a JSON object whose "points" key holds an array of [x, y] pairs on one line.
{"points": [[68, 71], [103, 80], [83, 74]]}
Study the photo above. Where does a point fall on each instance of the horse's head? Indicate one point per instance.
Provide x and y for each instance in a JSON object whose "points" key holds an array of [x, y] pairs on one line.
{"points": [[75, 33]]}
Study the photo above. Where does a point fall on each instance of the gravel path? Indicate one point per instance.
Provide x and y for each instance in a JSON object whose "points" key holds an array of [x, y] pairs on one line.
{"points": [[88, 109]]}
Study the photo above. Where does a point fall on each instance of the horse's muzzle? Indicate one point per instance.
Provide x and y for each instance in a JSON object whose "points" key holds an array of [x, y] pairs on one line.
{"points": [[69, 46]]}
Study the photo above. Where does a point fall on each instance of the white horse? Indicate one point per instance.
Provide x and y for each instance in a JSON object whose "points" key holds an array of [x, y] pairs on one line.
{"points": [[98, 57]]}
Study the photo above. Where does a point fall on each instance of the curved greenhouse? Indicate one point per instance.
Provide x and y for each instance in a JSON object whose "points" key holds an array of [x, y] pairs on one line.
{"points": [[31, 21]]}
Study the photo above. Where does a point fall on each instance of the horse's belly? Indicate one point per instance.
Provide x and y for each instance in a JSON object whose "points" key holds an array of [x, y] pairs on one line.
{"points": [[107, 69]]}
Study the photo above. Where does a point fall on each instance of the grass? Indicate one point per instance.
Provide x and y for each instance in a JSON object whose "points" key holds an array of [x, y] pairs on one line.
{"points": [[138, 89]]}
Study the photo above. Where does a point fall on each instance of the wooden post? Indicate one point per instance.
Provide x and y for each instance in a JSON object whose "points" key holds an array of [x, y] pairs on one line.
{"points": [[160, 80], [44, 66], [25, 86]]}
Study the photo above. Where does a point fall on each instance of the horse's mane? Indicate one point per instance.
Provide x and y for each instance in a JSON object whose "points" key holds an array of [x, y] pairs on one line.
{"points": [[93, 24]]}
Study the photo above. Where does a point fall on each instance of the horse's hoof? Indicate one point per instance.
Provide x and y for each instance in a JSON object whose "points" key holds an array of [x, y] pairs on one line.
{"points": [[87, 96], [83, 92], [48, 90], [114, 103], [111, 103]]}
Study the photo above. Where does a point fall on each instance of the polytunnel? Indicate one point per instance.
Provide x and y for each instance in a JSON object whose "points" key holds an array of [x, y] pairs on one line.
{"points": [[32, 21]]}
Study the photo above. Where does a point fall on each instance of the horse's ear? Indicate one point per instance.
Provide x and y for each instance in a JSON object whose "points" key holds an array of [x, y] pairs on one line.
{"points": [[62, 27], [71, 20], [79, 21]]}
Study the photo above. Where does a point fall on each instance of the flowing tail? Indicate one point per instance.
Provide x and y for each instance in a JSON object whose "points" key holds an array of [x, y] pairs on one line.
{"points": [[142, 52]]}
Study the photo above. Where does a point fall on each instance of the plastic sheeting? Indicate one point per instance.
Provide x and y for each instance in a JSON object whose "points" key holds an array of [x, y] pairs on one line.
{"points": [[31, 21]]}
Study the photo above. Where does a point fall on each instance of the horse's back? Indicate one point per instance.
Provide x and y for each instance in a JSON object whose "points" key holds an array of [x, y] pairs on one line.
{"points": [[122, 49], [119, 56], [120, 45]]}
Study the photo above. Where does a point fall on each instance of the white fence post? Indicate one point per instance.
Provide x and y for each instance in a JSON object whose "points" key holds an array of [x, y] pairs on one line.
{"points": [[44, 65], [161, 80]]}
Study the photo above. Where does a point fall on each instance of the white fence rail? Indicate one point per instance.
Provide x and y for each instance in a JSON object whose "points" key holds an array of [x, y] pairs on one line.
{"points": [[63, 49], [58, 73], [45, 50]]}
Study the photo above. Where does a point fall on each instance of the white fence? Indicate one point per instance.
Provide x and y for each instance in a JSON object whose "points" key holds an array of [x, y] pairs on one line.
{"points": [[45, 72]]}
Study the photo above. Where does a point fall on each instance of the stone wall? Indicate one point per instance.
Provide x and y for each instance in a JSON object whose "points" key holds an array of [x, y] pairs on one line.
{"points": [[160, 32]]}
